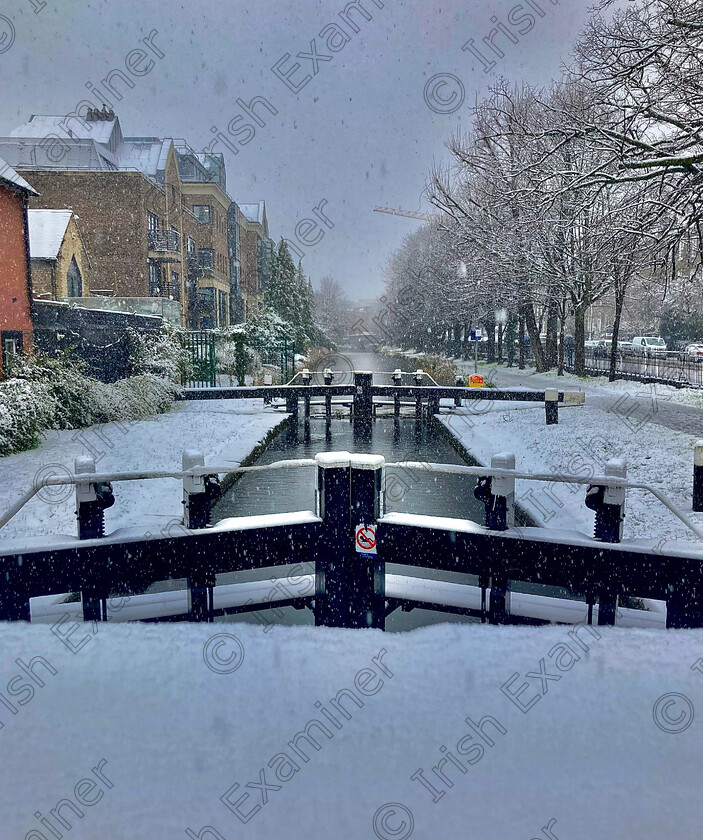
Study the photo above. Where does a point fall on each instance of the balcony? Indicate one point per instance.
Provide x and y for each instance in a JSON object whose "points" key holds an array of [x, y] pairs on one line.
{"points": [[198, 267], [164, 242]]}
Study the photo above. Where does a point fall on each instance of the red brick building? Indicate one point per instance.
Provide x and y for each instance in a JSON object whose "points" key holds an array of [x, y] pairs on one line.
{"points": [[15, 277]]}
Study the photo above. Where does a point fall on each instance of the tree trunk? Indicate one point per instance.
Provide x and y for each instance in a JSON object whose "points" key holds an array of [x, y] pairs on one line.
{"points": [[579, 339], [533, 332], [490, 328], [521, 341], [562, 335], [619, 300], [500, 343], [551, 348]]}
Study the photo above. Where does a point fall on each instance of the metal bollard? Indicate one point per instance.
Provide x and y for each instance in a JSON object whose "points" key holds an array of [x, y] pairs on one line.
{"points": [[292, 403], [92, 499], [698, 476], [609, 506], [268, 381], [551, 406], [419, 376], [459, 384], [397, 381]]}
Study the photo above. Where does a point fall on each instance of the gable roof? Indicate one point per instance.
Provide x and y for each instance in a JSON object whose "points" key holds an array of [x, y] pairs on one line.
{"points": [[9, 176], [106, 132], [47, 229]]}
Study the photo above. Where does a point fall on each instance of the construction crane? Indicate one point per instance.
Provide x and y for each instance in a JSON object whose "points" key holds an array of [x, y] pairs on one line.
{"points": [[410, 214]]}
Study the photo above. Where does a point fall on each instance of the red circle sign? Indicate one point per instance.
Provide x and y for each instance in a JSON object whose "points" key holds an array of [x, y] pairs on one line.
{"points": [[366, 538]]}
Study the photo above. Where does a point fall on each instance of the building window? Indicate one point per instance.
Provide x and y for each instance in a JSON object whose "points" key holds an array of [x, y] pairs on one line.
{"points": [[221, 308], [175, 290], [203, 213], [206, 257], [154, 279], [191, 246], [152, 222], [74, 281]]}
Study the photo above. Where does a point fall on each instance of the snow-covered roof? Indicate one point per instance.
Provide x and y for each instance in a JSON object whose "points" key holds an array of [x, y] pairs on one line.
{"points": [[34, 153], [147, 154], [254, 212], [8, 174], [44, 125], [47, 229]]}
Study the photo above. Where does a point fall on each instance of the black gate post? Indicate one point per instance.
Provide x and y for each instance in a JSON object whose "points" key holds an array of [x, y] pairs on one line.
{"points": [[419, 376], [92, 498], [459, 384], [367, 583], [307, 379], [698, 476], [551, 406], [292, 403], [397, 381], [333, 497], [609, 506], [363, 399]]}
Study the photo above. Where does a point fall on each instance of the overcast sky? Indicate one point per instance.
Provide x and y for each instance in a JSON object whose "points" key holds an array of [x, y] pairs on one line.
{"points": [[358, 134]]}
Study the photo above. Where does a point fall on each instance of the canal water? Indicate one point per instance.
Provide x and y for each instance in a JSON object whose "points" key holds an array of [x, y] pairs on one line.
{"points": [[397, 439]]}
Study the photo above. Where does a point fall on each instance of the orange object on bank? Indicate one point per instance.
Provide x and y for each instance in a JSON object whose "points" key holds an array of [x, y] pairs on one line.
{"points": [[476, 381]]}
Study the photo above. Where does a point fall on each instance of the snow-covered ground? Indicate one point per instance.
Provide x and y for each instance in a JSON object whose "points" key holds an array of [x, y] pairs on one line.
{"points": [[225, 431], [169, 722], [581, 444]]}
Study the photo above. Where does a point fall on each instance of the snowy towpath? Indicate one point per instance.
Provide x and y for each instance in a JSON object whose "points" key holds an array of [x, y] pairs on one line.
{"points": [[680, 410], [225, 431], [631, 420]]}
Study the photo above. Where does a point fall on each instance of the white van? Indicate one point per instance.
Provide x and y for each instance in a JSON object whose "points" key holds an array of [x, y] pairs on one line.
{"points": [[648, 344]]}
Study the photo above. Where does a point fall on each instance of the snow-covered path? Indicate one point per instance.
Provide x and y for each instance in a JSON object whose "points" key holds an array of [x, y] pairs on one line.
{"points": [[225, 431], [638, 422]]}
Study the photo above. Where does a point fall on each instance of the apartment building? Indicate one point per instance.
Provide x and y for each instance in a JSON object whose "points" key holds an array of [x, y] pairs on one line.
{"points": [[257, 250]]}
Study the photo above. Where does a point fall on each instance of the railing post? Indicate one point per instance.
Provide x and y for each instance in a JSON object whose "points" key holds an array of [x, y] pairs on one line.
{"points": [[397, 380], [698, 476], [419, 377], [199, 491], [292, 403], [92, 499], [366, 585], [498, 494], [268, 381], [551, 406], [306, 376], [363, 399], [608, 503], [328, 397], [458, 384], [333, 501]]}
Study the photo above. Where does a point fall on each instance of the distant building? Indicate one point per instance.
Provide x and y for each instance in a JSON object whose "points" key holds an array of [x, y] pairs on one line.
{"points": [[155, 217], [59, 261], [15, 281], [257, 250]]}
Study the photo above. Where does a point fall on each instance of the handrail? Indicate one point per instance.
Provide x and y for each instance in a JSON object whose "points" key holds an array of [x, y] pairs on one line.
{"points": [[457, 469], [607, 481], [91, 478]]}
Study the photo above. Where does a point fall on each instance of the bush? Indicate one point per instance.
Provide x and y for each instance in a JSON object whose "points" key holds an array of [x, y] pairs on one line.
{"points": [[160, 353], [45, 393]]}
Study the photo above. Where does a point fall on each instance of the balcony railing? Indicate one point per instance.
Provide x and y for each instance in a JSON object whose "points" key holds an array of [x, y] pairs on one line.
{"points": [[164, 241]]}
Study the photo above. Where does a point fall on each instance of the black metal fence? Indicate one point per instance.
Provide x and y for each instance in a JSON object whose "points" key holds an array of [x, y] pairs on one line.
{"points": [[668, 368]]}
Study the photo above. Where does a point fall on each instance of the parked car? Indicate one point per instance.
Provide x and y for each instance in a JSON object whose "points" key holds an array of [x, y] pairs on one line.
{"points": [[649, 344], [695, 351]]}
